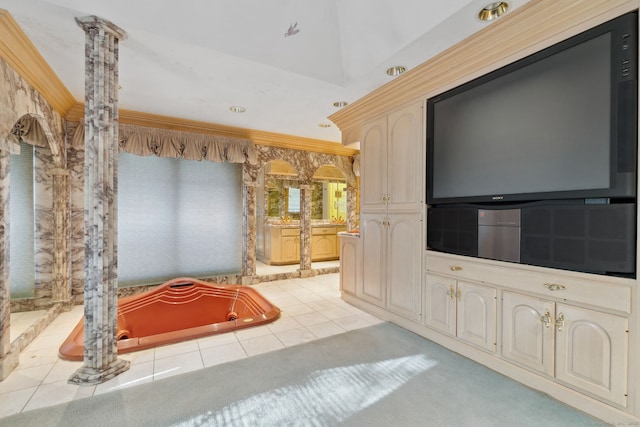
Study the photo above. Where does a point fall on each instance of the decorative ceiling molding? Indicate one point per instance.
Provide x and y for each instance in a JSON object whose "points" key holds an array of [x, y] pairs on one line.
{"points": [[22, 56], [270, 139], [534, 26]]}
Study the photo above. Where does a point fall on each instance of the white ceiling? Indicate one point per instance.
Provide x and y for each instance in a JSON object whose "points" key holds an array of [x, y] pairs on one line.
{"points": [[194, 59]]}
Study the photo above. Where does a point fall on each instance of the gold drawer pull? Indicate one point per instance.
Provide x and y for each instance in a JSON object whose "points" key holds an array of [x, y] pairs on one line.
{"points": [[455, 268], [555, 287]]}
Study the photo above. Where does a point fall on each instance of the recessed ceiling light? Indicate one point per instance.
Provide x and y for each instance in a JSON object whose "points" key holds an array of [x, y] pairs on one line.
{"points": [[396, 70], [493, 11], [237, 109], [340, 104], [325, 125]]}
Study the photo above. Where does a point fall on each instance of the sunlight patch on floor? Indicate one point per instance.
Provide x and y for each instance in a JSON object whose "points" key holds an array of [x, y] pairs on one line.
{"points": [[327, 396]]}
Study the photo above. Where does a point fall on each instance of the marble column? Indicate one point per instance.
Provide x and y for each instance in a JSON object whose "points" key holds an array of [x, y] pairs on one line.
{"points": [[249, 229], [101, 361], [352, 214], [61, 291], [8, 361], [305, 227]]}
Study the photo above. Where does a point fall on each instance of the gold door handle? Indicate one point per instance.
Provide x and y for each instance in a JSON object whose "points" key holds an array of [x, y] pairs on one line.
{"points": [[555, 286], [546, 319], [560, 322], [459, 294], [451, 292], [455, 268]]}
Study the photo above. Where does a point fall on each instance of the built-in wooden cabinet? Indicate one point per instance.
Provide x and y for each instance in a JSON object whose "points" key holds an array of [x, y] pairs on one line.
{"points": [[391, 203], [324, 243], [462, 309], [554, 324], [571, 335], [583, 348], [393, 161], [350, 263], [392, 262]]}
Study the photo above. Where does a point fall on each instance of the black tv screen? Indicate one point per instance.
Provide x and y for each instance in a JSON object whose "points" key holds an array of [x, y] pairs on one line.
{"points": [[559, 124]]}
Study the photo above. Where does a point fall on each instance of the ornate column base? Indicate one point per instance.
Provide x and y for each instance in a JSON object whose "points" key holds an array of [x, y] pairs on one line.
{"points": [[91, 376]]}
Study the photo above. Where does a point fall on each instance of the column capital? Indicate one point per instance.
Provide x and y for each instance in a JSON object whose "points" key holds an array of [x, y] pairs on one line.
{"points": [[92, 21]]}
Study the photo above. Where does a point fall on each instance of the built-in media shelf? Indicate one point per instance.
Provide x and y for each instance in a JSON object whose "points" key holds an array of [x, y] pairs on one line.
{"points": [[595, 238]]}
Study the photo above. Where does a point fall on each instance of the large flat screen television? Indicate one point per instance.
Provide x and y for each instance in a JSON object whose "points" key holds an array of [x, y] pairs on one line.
{"points": [[559, 124]]}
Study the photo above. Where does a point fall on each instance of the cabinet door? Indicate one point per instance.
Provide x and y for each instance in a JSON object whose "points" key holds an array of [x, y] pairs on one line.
{"points": [[349, 268], [373, 235], [289, 248], [404, 265], [405, 158], [527, 331], [591, 352], [476, 315], [373, 165], [440, 304], [323, 247]]}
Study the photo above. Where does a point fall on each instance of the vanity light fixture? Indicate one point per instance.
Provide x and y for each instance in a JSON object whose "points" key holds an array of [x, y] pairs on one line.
{"points": [[396, 70], [340, 104], [237, 109], [493, 11]]}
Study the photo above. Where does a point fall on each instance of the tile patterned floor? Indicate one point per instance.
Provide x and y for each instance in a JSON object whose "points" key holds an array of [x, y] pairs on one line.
{"points": [[311, 309]]}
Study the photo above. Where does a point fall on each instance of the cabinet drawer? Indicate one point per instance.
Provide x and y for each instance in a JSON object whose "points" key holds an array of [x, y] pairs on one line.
{"points": [[575, 287], [322, 230], [290, 232]]}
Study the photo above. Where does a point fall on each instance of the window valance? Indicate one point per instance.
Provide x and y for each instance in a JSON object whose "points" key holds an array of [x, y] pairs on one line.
{"points": [[28, 130], [146, 141]]}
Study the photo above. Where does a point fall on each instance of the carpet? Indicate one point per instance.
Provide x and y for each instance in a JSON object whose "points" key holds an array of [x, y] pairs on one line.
{"points": [[382, 375]]}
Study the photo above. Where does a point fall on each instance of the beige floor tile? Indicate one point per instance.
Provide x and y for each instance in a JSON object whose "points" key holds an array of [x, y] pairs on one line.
{"points": [[61, 371], [58, 392], [296, 336], [223, 353], [21, 379], [175, 349], [260, 345], [177, 364], [136, 374], [325, 329], [217, 340], [13, 402]]}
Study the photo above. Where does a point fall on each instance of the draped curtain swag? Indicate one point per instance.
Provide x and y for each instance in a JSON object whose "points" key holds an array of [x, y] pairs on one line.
{"points": [[146, 141], [28, 130]]}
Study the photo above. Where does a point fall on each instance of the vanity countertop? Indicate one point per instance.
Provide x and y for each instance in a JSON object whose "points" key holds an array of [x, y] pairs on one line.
{"points": [[297, 225]]}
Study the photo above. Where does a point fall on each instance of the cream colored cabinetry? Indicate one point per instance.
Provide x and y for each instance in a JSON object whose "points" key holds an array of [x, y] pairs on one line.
{"points": [[391, 203], [350, 264], [582, 348], [462, 309], [392, 262], [392, 161]]}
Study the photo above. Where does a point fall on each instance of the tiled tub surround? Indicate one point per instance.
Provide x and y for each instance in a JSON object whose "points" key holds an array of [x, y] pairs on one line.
{"points": [[311, 309]]}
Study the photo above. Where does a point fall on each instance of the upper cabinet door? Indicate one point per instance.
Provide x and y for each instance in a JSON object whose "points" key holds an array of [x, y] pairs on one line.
{"points": [[373, 152], [405, 159]]}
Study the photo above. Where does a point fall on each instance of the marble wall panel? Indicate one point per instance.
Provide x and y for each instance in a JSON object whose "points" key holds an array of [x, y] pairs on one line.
{"points": [[18, 98]]}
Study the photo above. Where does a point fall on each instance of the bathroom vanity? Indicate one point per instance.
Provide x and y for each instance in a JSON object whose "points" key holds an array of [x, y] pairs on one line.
{"points": [[282, 243]]}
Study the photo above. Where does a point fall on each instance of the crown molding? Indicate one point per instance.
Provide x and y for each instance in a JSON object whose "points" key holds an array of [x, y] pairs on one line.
{"points": [[24, 58], [270, 139], [532, 27]]}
